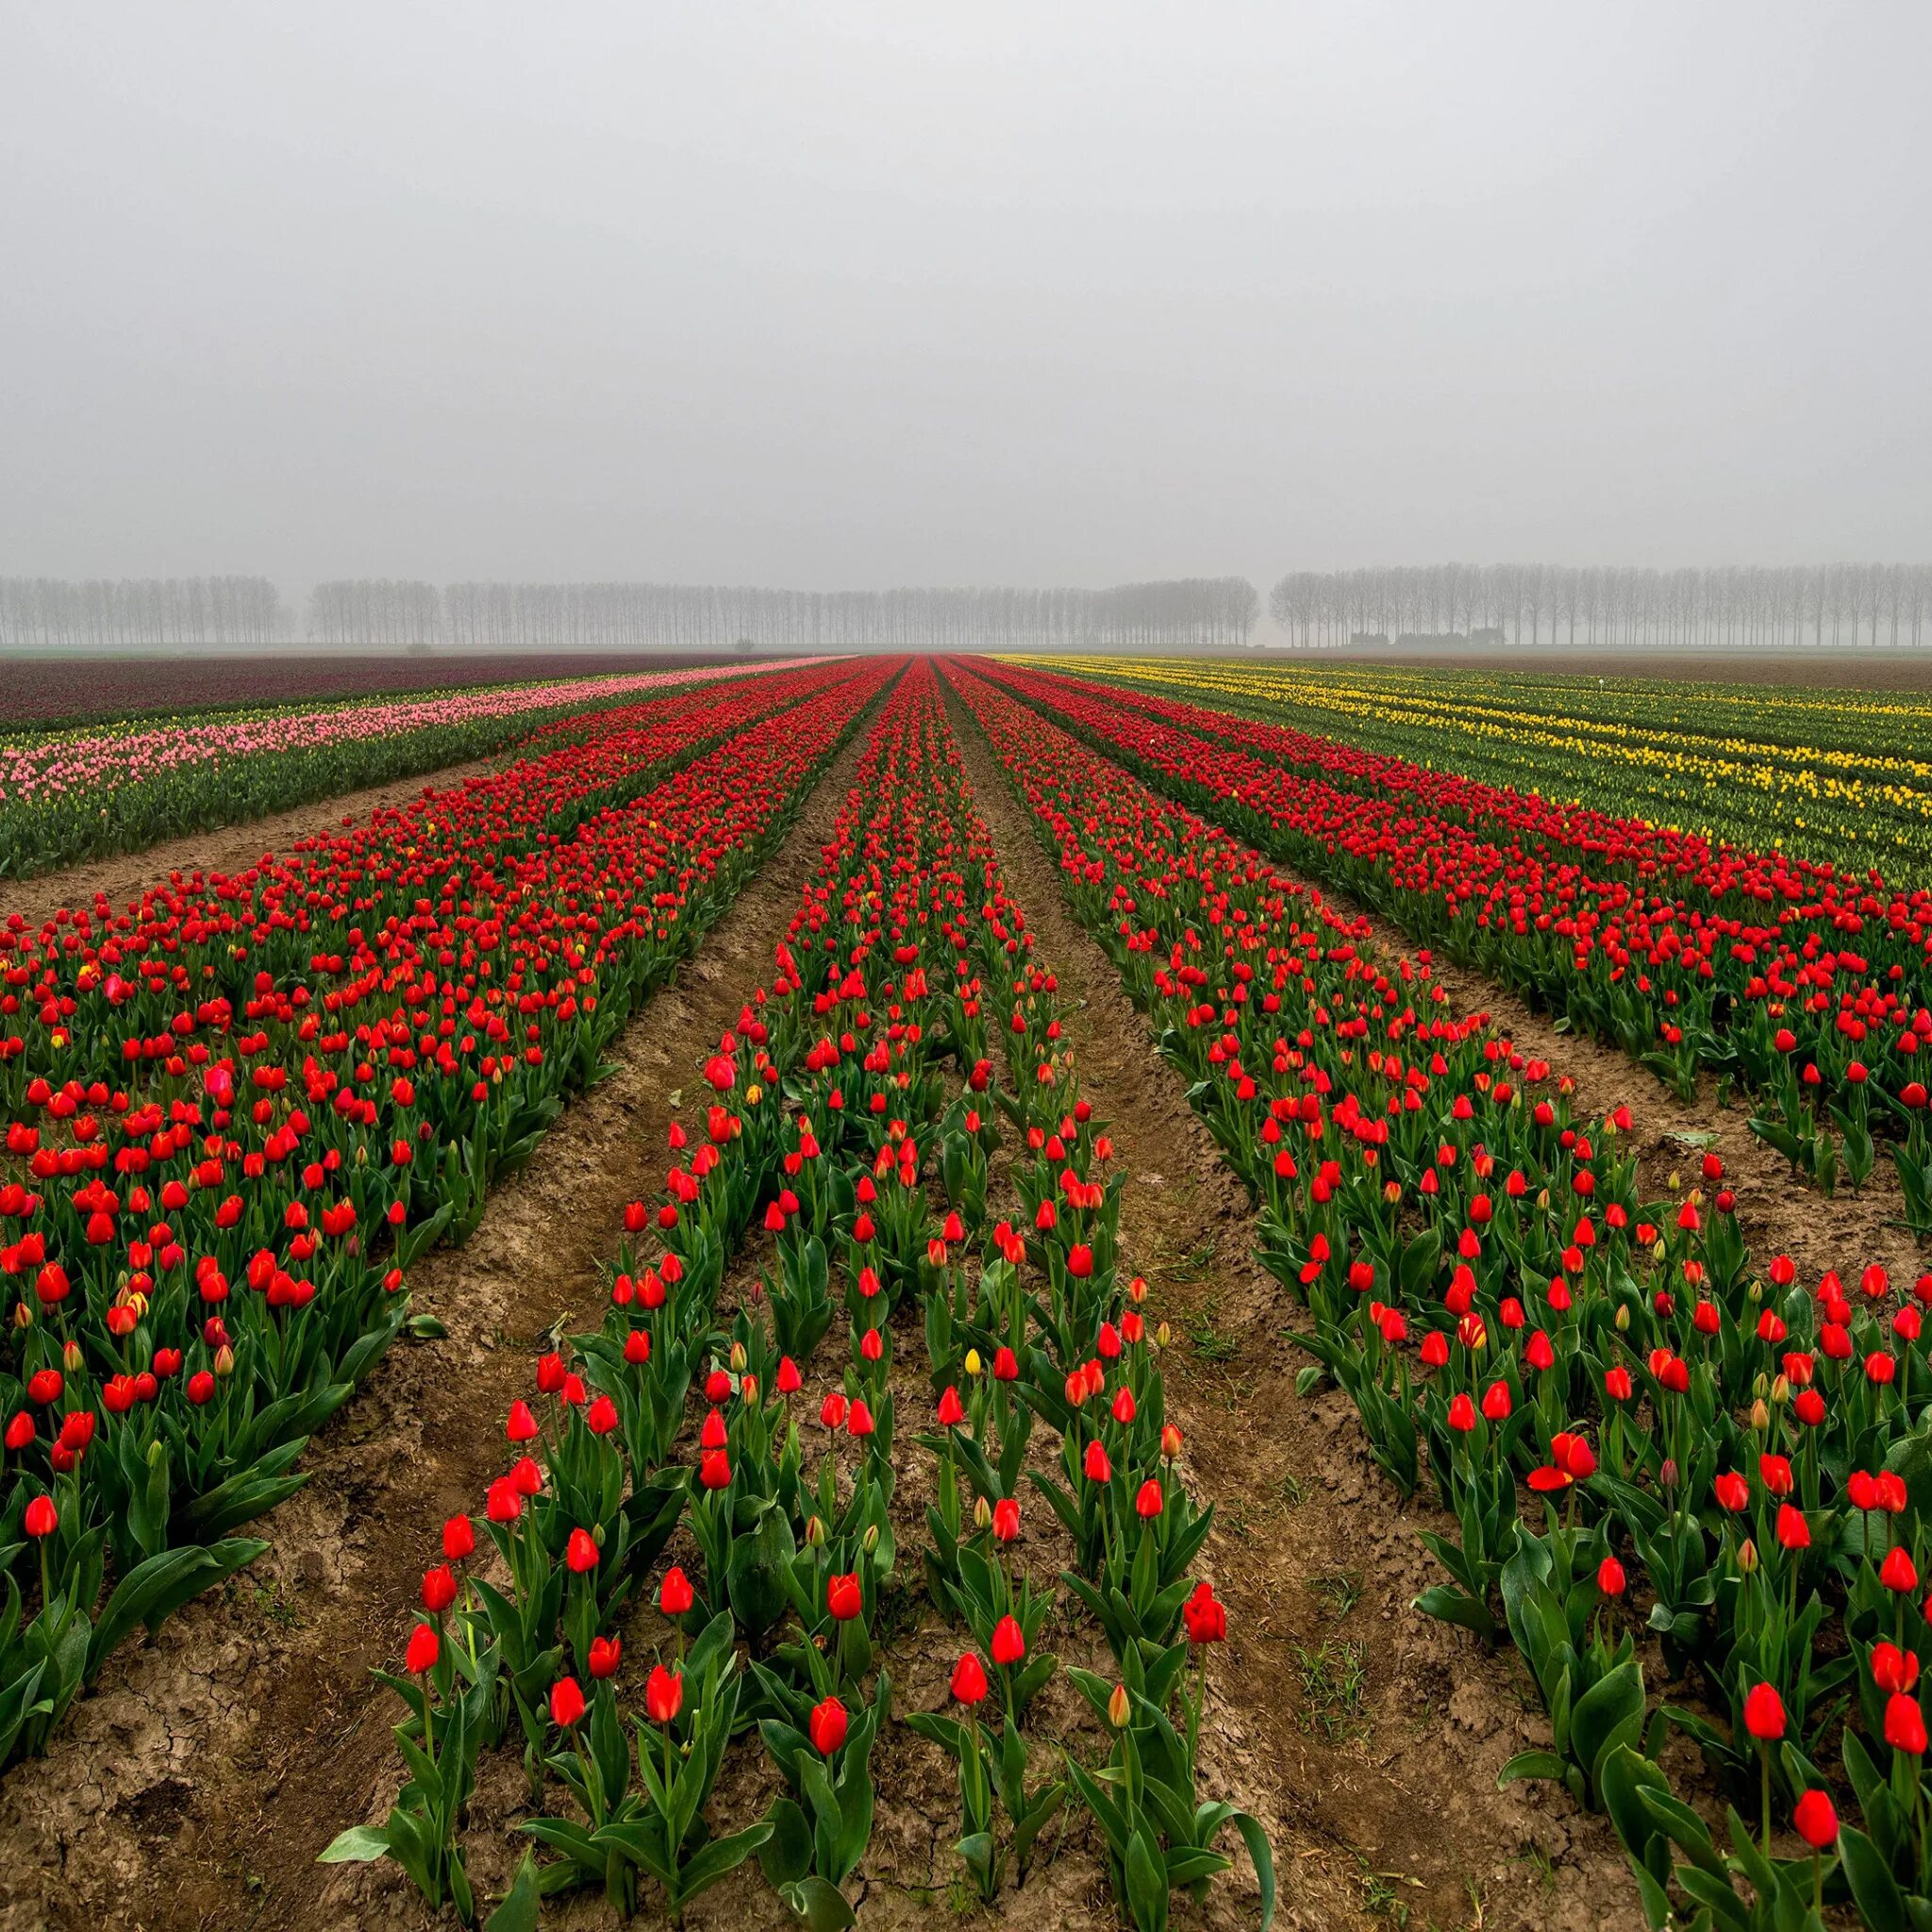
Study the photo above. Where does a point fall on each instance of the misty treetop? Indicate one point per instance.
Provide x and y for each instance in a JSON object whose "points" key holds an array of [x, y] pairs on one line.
{"points": [[1181, 613], [140, 611], [1733, 607]]}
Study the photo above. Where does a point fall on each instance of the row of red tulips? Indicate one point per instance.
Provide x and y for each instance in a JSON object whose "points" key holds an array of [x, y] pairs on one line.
{"points": [[907, 1008], [1809, 985], [208, 1243], [1639, 1431]]}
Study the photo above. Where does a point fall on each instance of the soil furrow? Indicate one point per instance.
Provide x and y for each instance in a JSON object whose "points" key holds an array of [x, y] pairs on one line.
{"points": [[197, 1784], [1365, 1735]]}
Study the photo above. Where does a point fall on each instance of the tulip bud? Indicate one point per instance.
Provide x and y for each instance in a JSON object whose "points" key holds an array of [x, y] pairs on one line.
{"points": [[869, 1542], [982, 1514], [225, 1360], [1622, 1318], [972, 1363], [1780, 1392], [1747, 1557], [815, 1533], [748, 1389], [1760, 1417], [72, 1357], [1163, 1336], [23, 1315], [737, 1359], [1119, 1707], [1542, 1199]]}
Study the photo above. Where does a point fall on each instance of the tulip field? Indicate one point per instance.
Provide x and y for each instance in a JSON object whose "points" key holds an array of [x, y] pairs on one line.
{"points": [[85, 790], [864, 1544]]}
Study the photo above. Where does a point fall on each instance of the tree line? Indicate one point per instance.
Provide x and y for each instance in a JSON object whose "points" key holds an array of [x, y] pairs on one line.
{"points": [[1732, 607], [1180, 613], [1201, 612], [137, 611]]}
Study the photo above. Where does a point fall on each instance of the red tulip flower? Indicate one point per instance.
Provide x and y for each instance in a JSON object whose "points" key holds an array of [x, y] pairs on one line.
{"points": [[827, 1726], [663, 1695], [566, 1703], [969, 1679], [1008, 1642]]}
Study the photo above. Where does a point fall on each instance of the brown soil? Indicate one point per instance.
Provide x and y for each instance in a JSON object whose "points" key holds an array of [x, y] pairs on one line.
{"points": [[126, 875], [195, 1786]]}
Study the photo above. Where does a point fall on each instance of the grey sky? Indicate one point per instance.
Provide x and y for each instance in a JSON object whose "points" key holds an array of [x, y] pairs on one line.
{"points": [[840, 294]]}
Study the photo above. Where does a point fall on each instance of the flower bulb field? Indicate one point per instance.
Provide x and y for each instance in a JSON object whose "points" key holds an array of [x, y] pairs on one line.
{"points": [[911, 1291]]}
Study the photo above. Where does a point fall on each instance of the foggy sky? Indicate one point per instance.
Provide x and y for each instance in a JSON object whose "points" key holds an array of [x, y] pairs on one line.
{"points": [[841, 296]]}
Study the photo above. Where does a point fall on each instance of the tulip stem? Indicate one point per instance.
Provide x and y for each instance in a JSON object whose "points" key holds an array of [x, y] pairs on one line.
{"points": [[1764, 1768]]}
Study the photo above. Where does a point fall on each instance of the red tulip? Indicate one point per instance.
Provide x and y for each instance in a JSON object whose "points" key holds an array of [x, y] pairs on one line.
{"points": [[827, 1726], [674, 1595], [1816, 1820], [663, 1695], [1204, 1616], [1905, 1726], [566, 1703], [969, 1679], [1764, 1714], [424, 1648], [1008, 1642]]}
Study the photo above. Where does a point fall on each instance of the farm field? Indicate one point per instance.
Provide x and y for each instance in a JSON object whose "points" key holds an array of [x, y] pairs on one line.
{"points": [[1145, 1291], [83, 793], [68, 688]]}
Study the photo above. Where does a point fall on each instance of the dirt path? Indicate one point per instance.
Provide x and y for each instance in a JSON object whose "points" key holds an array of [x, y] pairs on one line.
{"points": [[196, 1786], [126, 875], [1366, 1737]]}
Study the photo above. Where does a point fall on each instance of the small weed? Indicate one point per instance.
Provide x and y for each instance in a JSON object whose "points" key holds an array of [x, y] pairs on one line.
{"points": [[1538, 1861], [1333, 1677], [269, 1602], [1207, 1341], [1292, 1490], [1340, 1589], [1379, 1896], [1195, 1265]]}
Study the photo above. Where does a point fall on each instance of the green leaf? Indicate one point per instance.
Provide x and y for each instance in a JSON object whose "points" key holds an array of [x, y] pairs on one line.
{"points": [[1532, 1764], [721, 1856], [153, 1590], [822, 1905], [1874, 1890], [1146, 1883], [1256, 1841], [359, 1845]]}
